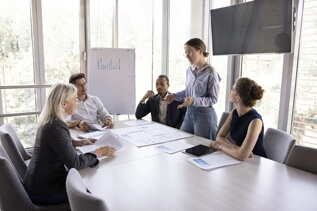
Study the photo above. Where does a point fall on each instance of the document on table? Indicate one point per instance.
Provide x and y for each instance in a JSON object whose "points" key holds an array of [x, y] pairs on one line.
{"points": [[126, 130], [95, 134], [106, 140], [160, 131], [97, 127], [137, 122], [144, 141], [141, 138], [174, 136], [144, 135], [155, 126], [213, 160], [175, 146], [164, 132]]}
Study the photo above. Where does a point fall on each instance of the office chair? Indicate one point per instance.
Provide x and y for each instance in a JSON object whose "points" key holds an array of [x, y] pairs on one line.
{"points": [[79, 198], [304, 158], [13, 146], [278, 144], [12, 193], [223, 119]]}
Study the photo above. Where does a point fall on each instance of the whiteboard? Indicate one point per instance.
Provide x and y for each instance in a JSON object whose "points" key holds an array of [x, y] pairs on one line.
{"points": [[111, 77]]}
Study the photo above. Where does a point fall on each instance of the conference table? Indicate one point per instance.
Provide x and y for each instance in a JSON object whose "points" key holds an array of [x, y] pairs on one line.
{"points": [[144, 178]]}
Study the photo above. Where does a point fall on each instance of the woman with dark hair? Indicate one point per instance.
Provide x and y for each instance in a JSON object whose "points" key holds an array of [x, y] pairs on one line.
{"points": [[201, 93], [244, 123]]}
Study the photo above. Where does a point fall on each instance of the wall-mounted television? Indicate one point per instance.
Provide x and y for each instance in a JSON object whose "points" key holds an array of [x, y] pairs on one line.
{"points": [[260, 26]]}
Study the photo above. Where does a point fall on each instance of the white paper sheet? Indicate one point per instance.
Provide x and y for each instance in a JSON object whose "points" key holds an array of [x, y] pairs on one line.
{"points": [[175, 146], [106, 140], [174, 136], [137, 122], [94, 134], [97, 127], [213, 160], [144, 135], [126, 130], [145, 141], [152, 126], [161, 131]]}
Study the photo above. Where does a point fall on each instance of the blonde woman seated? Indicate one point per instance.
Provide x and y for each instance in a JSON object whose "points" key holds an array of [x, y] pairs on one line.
{"points": [[54, 149], [244, 123]]}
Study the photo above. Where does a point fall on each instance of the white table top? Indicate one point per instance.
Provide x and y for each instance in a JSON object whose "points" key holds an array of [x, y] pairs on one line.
{"points": [[148, 179]]}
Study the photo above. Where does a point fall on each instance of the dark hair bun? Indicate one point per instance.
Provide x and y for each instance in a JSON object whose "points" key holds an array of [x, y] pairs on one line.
{"points": [[256, 92]]}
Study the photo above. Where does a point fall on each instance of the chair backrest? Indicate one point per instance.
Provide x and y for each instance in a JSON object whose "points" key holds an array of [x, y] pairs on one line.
{"points": [[222, 120], [14, 148], [278, 144], [8, 128], [5, 155], [79, 198], [304, 158], [12, 193]]}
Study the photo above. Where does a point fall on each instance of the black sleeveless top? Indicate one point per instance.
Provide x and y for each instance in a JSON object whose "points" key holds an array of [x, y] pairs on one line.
{"points": [[239, 129]]}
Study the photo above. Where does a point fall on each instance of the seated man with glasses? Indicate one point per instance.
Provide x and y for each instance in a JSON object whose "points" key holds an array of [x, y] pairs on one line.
{"points": [[90, 109], [161, 111]]}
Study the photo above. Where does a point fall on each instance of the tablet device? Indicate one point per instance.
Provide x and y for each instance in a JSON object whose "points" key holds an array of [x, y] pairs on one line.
{"points": [[199, 150]]}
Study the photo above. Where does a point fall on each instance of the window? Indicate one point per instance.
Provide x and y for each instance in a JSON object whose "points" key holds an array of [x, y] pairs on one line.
{"points": [[136, 27], [186, 22], [101, 21], [139, 26], [18, 99], [24, 79], [304, 123], [266, 70], [61, 39]]}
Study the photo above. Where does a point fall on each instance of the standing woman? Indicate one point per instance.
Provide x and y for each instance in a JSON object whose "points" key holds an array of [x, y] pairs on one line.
{"points": [[201, 93], [46, 174], [244, 123]]}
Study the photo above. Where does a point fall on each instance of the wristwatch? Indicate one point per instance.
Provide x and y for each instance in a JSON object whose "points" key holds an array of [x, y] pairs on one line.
{"points": [[78, 123]]}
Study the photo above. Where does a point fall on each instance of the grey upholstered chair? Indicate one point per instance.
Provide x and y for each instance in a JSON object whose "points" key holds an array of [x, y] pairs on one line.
{"points": [[13, 146], [223, 119], [304, 158], [277, 144], [79, 198], [12, 193]]}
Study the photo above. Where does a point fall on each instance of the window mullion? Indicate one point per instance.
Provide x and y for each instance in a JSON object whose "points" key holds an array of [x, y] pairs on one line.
{"points": [[165, 36], [38, 49]]}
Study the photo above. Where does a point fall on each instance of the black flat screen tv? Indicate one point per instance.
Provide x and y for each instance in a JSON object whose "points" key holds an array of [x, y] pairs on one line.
{"points": [[260, 26]]}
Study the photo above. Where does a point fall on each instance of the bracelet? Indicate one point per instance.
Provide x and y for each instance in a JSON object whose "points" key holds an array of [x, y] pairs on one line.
{"points": [[78, 123]]}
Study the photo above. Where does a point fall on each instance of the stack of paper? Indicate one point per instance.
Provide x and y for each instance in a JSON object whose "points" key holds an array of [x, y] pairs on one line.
{"points": [[107, 139]]}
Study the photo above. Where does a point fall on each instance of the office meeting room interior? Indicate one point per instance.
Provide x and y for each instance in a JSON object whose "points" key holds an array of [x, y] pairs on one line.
{"points": [[44, 42]]}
